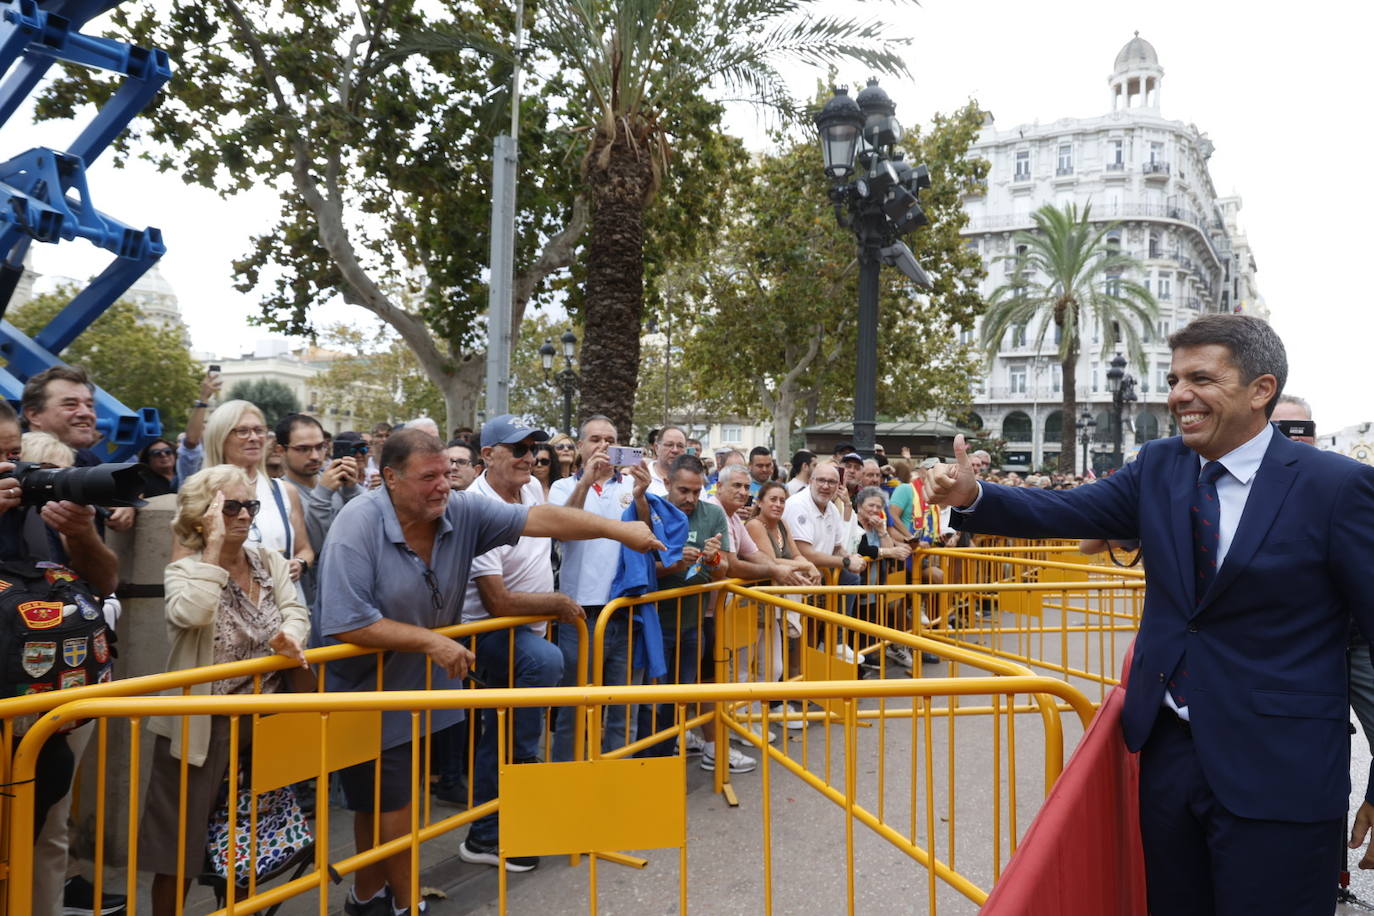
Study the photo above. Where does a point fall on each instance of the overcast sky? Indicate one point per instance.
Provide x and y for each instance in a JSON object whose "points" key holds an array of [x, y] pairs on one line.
{"points": [[1276, 86]]}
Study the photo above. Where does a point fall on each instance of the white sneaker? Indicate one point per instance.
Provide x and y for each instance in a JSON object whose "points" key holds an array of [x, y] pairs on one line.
{"points": [[695, 743], [846, 654], [739, 762], [793, 720], [744, 742], [899, 654]]}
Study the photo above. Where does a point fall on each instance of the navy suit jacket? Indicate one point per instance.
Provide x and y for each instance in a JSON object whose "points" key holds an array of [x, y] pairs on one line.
{"points": [[1266, 646]]}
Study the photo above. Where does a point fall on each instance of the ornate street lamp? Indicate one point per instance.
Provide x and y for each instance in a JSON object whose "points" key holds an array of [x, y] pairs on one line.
{"points": [[859, 138], [1122, 387], [1085, 426], [567, 377]]}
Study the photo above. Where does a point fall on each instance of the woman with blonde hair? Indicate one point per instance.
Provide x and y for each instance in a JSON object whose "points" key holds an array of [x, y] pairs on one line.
{"points": [[565, 448], [226, 601], [237, 434]]}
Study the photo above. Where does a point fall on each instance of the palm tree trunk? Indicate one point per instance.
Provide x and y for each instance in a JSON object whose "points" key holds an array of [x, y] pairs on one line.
{"points": [[620, 182], [1069, 406]]}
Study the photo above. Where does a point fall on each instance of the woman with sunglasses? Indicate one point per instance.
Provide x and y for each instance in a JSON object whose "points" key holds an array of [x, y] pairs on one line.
{"points": [[237, 434], [161, 458], [545, 467], [226, 601], [565, 447]]}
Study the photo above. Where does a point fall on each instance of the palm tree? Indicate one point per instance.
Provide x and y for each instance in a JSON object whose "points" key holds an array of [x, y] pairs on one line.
{"points": [[642, 65], [1066, 270]]}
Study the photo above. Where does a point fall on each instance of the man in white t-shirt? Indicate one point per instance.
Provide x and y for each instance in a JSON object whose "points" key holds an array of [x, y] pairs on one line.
{"points": [[589, 568], [818, 528], [511, 581], [672, 443]]}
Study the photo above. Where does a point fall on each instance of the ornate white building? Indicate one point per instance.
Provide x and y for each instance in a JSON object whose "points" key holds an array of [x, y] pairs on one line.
{"points": [[1147, 173]]}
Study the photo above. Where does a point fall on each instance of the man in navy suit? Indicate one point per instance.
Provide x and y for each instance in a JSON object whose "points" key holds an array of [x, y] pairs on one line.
{"points": [[1257, 551]]}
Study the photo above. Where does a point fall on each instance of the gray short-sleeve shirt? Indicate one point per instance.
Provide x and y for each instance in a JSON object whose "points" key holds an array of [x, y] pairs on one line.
{"points": [[367, 572]]}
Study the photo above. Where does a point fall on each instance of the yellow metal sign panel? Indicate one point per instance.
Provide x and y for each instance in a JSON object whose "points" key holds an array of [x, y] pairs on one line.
{"points": [[819, 665], [1029, 603], [737, 624], [286, 746], [593, 805]]}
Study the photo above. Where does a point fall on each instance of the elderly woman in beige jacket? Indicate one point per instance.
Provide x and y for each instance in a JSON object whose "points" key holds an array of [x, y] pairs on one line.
{"points": [[224, 602]]}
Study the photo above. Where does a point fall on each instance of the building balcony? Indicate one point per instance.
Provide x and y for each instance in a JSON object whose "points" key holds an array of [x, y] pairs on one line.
{"points": [[1115, 167], [1021, 178], [1155, 171], [1190, 302]]}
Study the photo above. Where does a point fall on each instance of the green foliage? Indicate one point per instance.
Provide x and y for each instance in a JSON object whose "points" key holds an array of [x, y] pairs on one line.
{"points": [[373, 376], [533, 395], [774, 305], [272, 397], [137, 363]]}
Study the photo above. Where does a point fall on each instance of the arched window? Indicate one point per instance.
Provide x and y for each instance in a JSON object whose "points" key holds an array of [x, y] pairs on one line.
{"points": [[1104, 431], [1054, 427], [1017, 427], [970, 421], [1146, 427]]}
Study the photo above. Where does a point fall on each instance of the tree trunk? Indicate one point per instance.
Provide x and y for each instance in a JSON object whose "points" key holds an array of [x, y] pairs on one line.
{"points": [[1067, 431], [620, 182], [461, 389]]}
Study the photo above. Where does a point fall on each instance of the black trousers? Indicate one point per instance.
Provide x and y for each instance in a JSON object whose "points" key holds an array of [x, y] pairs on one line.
{"points": [[1202, 859]]}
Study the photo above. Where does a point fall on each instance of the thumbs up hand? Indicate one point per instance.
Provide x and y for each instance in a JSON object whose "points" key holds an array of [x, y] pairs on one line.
{"points": [[954, 484]]}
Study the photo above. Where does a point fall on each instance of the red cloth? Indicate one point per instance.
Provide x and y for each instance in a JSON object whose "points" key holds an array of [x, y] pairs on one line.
{"points": [[1081, 855]]}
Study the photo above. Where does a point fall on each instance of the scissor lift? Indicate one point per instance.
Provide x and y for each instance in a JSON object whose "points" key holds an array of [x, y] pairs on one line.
{"points": [[49, 200]]}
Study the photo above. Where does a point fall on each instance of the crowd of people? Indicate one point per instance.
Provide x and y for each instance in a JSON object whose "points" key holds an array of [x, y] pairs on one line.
{"points": [[286, 538]]}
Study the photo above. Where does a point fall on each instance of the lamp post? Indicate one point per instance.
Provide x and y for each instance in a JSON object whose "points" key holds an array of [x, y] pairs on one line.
{"points": [[1122, 387], [1085, 426], [567, 377], [859, 137]]}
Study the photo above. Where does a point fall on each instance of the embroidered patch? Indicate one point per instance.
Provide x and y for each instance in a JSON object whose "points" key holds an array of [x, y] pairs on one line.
{"points": [[49, 564], [41, 615], [5, 585], [626, 499], [101, 647], [74, 651], [38, 657], [59, 574], [75, 678], [87, 606], [43, 687], [106, 675]]}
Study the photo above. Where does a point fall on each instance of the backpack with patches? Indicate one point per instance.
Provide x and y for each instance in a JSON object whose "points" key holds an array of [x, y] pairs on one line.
{"points": [[53, 632]]}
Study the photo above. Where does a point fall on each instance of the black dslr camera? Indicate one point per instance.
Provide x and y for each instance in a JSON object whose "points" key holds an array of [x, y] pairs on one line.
{"points": [[111, 485]]}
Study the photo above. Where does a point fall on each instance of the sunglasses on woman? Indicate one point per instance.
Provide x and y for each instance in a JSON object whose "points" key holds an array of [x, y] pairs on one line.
{"points": [[232, 507], [161, 452], [541, 462]]}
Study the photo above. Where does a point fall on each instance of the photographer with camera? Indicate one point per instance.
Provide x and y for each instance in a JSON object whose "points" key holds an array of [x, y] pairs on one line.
{"points": [[50, 548]]}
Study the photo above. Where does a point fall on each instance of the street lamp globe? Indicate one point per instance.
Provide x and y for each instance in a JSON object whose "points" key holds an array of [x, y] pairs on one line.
{"points": [[881, 127], [569, 341], [839, 124], [546, 353], [1115, 373]]}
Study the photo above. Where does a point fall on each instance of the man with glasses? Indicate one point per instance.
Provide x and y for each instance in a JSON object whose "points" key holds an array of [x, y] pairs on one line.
{"points": [[323, 484], [463, 465], [395, 567], [672, 444]]}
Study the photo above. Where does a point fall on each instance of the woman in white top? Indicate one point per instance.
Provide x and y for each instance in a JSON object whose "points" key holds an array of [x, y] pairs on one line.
{"points": [[236, 434]]}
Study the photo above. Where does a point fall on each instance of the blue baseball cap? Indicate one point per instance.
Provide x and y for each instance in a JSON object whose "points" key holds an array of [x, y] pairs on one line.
{"points": [[509, 429]]}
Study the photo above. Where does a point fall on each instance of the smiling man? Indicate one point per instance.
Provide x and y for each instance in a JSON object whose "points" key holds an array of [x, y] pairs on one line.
{"points": [[396, 565], [1256, 548]]}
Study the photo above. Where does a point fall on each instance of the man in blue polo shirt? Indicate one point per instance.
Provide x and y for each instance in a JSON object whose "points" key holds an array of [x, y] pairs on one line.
{"points": [[396, 565]]}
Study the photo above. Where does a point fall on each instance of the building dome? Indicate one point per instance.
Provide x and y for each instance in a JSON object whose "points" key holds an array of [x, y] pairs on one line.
{"points": [[1137, 53]]}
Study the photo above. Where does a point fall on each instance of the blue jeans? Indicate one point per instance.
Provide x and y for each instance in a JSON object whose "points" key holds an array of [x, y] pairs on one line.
{"points": [[538, 663], [614, 671], [681, 655]]}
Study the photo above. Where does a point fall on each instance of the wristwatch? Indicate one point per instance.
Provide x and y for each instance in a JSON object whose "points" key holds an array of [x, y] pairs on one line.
{"points": [[199, 404], [845, 563]]}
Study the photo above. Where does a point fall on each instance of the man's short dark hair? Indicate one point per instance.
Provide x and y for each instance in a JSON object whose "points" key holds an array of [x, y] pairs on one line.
{"points": [[1255, 347], [652, 437], [381, 428], [35, 396], [689, 463], [759, 450], [458, 442], [289, 422], [399, 447], [7, 414], [842, 448]]}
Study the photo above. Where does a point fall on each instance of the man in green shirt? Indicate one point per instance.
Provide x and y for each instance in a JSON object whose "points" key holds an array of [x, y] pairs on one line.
{"points": [[708, 539]]}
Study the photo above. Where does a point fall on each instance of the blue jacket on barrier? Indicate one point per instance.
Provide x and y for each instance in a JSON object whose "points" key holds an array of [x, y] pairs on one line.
{"points": [[635, 575], [1266, 645]]}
